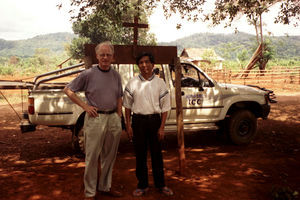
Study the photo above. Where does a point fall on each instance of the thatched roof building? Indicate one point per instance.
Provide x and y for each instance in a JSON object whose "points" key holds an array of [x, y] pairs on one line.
{"points": [[198, 55]]}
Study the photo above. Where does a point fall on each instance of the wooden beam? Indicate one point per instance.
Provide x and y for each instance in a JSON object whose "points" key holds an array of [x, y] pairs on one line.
{"points": [[124, 54]]}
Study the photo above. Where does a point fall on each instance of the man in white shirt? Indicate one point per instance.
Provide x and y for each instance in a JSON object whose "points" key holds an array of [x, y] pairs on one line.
{"points": [[147, 97]]}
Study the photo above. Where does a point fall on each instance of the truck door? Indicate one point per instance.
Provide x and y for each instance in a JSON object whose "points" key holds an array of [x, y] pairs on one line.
{"points": [[201, 100]]}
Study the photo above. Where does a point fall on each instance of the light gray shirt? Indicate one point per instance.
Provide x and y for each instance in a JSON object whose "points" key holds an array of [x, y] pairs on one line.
{"points": [[146, 96], [102, 88]]}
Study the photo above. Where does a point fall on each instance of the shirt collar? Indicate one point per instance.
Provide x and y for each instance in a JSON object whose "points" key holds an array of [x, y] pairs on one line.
{"points": [[143, 79], [102, 69]]}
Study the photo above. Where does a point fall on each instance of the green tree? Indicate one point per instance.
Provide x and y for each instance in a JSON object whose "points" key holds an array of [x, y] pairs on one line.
{"points": [[243, 55], [229, 50], [253, 10], [268, 54], [104, 21], [76, 49], [209, 55], [224, 10], [42, 55], [13, 60]]}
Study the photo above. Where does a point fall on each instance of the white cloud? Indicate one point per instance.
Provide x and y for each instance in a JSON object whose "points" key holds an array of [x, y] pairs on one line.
{"points": [[21, 19]]}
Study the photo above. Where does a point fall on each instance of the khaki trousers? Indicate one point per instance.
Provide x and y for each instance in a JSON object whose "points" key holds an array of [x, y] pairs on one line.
{"points": [[102, 137]]}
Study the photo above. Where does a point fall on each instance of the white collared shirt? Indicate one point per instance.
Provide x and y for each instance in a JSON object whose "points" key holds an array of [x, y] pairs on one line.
{"points": [[146, 96]]}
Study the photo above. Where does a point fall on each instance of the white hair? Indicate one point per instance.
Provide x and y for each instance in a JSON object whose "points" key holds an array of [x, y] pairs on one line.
{"points": [[105, 43]]}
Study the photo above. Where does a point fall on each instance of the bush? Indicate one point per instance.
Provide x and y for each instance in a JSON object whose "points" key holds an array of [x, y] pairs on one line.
{"points": [[236, 65], [233, 65], [31, 66], [6, 70], [284, 62]]}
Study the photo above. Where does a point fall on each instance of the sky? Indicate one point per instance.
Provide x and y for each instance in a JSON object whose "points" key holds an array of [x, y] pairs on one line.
{"points": [[20, 19]]}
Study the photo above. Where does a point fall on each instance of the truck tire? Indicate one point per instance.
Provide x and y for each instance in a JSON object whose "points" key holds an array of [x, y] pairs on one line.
{"points": [[242, 127], [78, 138]]}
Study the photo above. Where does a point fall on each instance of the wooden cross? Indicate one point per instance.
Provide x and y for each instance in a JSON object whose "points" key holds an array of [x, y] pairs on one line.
{"points": [[135, 26]]}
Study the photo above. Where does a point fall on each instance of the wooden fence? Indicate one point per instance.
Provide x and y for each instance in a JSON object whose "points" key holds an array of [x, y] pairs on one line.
{"points": [[278, 75]]}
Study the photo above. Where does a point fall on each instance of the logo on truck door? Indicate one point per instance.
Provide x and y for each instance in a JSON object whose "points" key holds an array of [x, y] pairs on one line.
{"points": [[194, 99]]}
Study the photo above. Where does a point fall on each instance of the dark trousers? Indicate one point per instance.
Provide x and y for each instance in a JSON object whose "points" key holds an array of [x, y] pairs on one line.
{"points": [[145, 129]]}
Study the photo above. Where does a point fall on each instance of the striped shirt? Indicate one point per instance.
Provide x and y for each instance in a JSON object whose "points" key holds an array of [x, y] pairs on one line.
{"points": [[146, 96]]}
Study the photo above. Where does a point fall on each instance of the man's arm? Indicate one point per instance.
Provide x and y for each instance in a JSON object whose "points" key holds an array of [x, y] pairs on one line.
{"points": [[92, 111], [161, 132], [128, 122], [119, 106]]}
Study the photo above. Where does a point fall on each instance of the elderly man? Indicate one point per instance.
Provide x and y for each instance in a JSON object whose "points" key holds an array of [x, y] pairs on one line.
{"points": [[102, 124]]}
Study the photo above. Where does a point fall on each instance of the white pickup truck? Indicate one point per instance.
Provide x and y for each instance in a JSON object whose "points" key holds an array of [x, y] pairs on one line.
{"points": [[207, 104]]}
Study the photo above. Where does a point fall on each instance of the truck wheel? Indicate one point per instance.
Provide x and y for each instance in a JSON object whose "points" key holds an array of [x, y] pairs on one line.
{"points": [[78, 138], [242, 127]]}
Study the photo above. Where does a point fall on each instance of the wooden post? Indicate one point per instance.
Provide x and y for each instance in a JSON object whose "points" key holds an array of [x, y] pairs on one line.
{"points": [[272, 76], [299, 74], [60, 65], [262, 44], [135, 26], [88, 61], [179, 117]]}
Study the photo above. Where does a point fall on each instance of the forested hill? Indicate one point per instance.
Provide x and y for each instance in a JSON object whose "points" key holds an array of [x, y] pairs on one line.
{"points": [[55, 42], [228, 45]]}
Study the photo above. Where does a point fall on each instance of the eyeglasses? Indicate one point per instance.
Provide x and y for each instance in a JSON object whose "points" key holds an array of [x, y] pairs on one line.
{"points": [[105, 54]]}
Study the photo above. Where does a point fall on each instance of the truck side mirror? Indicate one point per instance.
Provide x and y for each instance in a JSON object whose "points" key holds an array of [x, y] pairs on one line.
{"points": [[201, 85], [200, 88]]}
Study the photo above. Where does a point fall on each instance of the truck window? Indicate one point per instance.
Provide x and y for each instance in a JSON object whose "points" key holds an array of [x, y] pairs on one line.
{"points": [[158, 71], [190, 76]]}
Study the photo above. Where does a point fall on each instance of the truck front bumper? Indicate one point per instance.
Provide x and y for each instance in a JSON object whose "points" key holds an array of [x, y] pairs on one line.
{"points": [[265, 111]]}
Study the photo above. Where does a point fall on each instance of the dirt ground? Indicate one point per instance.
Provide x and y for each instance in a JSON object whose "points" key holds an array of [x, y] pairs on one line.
{"points": [[41, 164]]}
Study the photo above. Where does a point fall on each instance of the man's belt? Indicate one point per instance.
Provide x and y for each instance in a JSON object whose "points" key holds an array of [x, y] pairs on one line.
{"points": [[150, 116], [106, 112]]}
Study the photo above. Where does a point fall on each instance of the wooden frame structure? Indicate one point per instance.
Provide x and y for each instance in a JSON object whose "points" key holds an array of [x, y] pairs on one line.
{"points": [[126, 54]]}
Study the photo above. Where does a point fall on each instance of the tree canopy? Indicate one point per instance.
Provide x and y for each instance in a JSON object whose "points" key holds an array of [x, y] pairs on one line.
{"points": [[98, 21], [102, 19], [224, 10]]}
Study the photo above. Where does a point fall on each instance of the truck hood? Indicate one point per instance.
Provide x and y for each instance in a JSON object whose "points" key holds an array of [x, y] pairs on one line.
{"points": [[241, 89]]}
